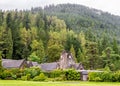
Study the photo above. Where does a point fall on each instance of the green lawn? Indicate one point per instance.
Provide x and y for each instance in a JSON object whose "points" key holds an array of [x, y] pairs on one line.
{"points": [[31, 83]]}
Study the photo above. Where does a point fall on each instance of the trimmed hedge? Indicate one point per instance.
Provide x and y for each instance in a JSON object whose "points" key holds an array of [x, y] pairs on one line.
{"points": [[41, 77], [72, 74], [104, 76]]}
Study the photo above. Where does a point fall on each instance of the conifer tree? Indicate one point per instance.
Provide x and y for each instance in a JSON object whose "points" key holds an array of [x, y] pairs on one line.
{"points": [[72, 50], [0, 60]]}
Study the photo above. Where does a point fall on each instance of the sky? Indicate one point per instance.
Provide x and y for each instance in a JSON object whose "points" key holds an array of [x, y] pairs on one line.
{"points": [[111, 6]]}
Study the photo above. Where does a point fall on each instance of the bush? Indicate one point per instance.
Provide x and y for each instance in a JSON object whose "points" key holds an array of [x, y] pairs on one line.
{"points": [[33, 71], [97, 79], [41, 77], [25, 78], [72, 74], [100, 76], [106, 76], [5, 74], [94, 76], [16, 73], [55, 73], [116, 76]]}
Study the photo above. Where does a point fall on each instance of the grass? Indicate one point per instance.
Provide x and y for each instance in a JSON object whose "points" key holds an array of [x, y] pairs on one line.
{"points": [[31, 83]]}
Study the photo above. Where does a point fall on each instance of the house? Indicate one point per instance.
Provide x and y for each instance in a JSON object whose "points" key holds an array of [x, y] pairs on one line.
{"points": [[9, 63], [67, 61], [49, 66], [32, 64]]}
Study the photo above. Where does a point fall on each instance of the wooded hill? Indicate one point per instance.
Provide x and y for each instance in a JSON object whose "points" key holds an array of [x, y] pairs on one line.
{"points": [[78, 17], [42, 34]]}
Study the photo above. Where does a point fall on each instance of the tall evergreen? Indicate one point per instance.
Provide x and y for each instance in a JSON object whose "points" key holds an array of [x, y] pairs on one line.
{"points": [[0, 60]]}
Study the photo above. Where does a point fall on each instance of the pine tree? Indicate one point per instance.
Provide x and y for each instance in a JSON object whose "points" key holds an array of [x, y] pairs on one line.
{"points": [[38, 53], [9, 20], [80, 56], [92, 58], [73, 53], [26, 21], [54, 52], [1, 18], [0, 60], [115, 46]]}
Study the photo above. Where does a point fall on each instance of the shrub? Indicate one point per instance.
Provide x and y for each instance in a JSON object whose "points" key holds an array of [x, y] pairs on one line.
{"points": [[33, 71], [56, 73], [106, 76], [5, 74], [116, 76], [72, 74], [16, 73], [100, 76], [41, 77], [97, 79], [94, 76], [25, 78]]}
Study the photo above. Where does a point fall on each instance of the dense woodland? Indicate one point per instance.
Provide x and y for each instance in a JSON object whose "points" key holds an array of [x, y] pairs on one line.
{"points": [[40, 35]]}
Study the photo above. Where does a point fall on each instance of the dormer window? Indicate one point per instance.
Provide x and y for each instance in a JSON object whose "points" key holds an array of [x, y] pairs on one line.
{"points": [[70, 57]]}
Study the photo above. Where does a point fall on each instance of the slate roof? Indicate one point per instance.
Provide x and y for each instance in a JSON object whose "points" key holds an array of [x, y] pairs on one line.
{"points": [[35, 64], [78, 66], [8, 63], [49, 66]]}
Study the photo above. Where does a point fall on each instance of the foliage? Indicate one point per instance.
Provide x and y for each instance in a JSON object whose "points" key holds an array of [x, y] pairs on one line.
{"points": [[42, 34], [73, 53], [54, 52], [6, 74], [25, 78], [41, 77], [0, 61], [33, 71], [38, 52], [104, 76], [72, 74]]}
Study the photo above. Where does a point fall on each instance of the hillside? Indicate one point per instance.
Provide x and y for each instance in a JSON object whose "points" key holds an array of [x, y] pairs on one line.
{"points": [[83, 14], [78, 17]]}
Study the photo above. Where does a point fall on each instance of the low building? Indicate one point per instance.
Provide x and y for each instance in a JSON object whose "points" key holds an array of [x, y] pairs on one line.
{"points": [[66, 61], [9, 63], [49, 66]]}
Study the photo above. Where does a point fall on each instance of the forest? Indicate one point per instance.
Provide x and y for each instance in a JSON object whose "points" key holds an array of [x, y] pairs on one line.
{"points": [[41, 34]]}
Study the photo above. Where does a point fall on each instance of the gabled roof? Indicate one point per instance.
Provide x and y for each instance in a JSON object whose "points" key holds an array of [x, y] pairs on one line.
{"points": [[78, 66], [35, 64], [8, 63], [49, 66]]}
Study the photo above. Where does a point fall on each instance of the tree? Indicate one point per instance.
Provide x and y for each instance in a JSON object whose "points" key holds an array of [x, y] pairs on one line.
{"points": [[55, 24], [115, 46], [1, 17], [25, 41], [38, 53], [26, 21], [80, 56], [9, 20], [0, 60], [70, 39], [92, 58], [82, 49], [54, 52], [39, 21], [73, 53], [110, 59], [6, 43]]}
